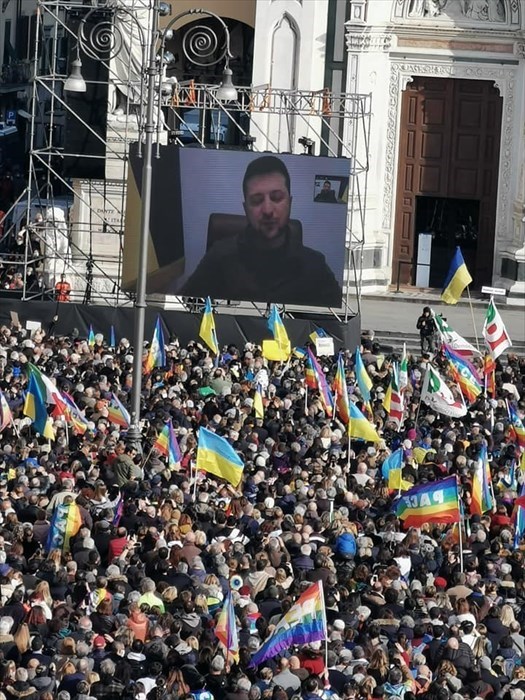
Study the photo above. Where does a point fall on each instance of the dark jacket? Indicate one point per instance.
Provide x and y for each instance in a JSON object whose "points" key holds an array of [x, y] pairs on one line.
{"points": [[123, 467], [21, 690], [236, 268]]}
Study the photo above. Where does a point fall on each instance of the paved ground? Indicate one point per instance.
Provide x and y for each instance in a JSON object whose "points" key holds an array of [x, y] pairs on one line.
{"points": [[394, 314]]}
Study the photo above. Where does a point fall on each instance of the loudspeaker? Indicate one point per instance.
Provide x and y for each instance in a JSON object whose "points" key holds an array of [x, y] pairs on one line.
{"points": [[86, 146]]}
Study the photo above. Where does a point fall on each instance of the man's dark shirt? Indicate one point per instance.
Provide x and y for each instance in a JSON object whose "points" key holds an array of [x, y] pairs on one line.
{"points": [[236, 268]]}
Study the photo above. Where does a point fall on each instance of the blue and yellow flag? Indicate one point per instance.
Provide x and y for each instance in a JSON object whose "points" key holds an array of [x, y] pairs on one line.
{"points": [[35, 407], [361, 428], [457, 279], [276, 325], [318, 333], [216, 456], [362, 377], [207, 330], [393, 462]]}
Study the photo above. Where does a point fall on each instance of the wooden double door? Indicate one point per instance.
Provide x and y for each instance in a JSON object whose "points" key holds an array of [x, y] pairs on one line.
{"points": [[447, 179]]}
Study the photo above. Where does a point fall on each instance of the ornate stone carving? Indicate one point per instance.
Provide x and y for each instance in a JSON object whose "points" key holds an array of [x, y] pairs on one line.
{"points": [[361, 42], [519, 49], [401, 74], [424, 8], [462, 12]]}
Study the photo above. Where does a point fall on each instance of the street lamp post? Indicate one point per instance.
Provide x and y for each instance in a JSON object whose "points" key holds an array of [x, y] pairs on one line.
{"points": [[208, 43]]}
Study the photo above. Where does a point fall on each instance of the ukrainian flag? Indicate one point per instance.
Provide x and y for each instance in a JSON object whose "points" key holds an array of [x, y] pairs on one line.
{"points": [[207, 330], [276, 325], [318, 333], [359, 427], [216, 456], [362, 377], [35, 407], [457, 279]]}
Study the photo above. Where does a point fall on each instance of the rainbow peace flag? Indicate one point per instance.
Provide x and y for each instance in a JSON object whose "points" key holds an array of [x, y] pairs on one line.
{"points": [[226, 630], [6, 417], [166, 443], [437, 502], [310, 378], [340, 391], [118, 413], [464, 373], [517, 427], [481, 493], [216, 456], [304, 623], [156, 354], [91, 337], [65, 523], [74, 416], [322, 385]]}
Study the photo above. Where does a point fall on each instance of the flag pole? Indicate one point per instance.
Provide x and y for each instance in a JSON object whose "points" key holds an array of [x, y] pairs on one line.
{"points": [[143, 463], [195, 483], [473, 319], [423, 388], [461, 540], [306, 399], [321, 592], [349, 449]]}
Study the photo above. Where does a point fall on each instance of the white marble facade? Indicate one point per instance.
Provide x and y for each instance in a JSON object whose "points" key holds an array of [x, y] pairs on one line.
{"points": [[389, 42]]}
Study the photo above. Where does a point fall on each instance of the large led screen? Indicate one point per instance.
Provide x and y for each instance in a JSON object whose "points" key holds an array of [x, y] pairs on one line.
{"points": [[242, 226]]}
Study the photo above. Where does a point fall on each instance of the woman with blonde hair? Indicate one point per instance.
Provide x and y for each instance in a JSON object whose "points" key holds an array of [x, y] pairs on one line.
{"points": [[55, 557], [367, 688], [379, 666], [200, 539], [100, 496], [201, 604], [169, 594], [193, 642], [22, 638], [507, 615], [41, 596], [283, 579]]}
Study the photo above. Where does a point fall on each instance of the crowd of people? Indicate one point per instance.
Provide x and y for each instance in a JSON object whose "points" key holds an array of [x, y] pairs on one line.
{"points": [[128, 610]]}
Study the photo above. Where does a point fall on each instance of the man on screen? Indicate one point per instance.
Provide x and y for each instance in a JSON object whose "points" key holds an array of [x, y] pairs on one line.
{"points": [[326, 195], [265, 262]]}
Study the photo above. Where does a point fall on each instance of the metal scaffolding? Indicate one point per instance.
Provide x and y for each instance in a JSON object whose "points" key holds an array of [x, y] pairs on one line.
{"points": [[87, 246]]}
